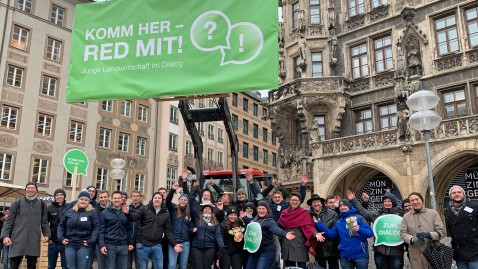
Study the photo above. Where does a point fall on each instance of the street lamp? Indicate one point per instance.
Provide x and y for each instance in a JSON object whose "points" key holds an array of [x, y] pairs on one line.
{"points": [[117, 173], [425, 119]]}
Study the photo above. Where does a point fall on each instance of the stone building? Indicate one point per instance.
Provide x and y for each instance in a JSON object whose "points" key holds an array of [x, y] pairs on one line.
{"points": [[347, 68]]}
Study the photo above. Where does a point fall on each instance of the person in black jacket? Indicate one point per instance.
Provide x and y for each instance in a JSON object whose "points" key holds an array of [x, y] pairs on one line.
{"points": [[155, 226], [55, 247], [133, 207], [232, 229], [462, 220]]}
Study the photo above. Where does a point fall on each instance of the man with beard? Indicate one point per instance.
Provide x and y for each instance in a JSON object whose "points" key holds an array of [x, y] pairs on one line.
{"points": [[461, 220]]}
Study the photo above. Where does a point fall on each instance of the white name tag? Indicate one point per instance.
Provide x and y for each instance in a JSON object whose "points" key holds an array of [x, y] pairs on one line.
{"points": [[468, 209], [278, 208], [83, 219]]}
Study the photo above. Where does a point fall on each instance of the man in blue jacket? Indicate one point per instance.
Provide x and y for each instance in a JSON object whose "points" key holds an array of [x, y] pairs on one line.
{"points": [[115, 238]]}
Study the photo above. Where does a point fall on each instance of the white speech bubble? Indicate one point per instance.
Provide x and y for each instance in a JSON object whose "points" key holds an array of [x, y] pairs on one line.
{"points": [[261, 44]]}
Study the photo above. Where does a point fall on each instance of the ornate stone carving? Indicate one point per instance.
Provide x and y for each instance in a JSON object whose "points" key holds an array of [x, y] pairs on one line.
{"points": [[78, 112], [401, 66], [47, 105], [449, 62], [302, 52], [52, 67], [12, 96], [125, 125], [173, 159], [315, 30], [407, 149], [42, 147], [142, 129], [379, 13], [472, 56], [294, 35], [188, 160], [17, 56], [355, 21], [107, 120], [384, 79], [302, 22], [359, 85], [408, 13], [8, 141], [414, 57]]}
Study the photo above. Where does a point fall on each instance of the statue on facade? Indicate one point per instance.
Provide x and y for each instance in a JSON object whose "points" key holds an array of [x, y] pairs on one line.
{"points": [[301, 20], [331, 20], [281, 35], [282, 71], [403, 128], [414, 60], [302, 51], [333, 44], [401, 68]]}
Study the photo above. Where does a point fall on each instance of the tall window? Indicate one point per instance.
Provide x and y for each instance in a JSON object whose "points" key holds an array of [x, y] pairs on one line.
{"points": [[378, 3], [274, 159], [69, 179], [245, 104], [295, 15], [143, 113], [388, 116], [210, 155], [255, 109], [359, 61], [314, 11], [320, 123], [53, 50], [234, 99], [57, 15], [211, 102], [265, 156], [455, 103], [125, 109], [255, 153], [265, 134], [189, 147], [447, 36], [201, 128], [104, 138], [383, 53], [9, 117], [6, 165], [201, 103], [121, 184], [472, 26], [49, 86], [274, 139], [171, 176], [25, 6], [297, 69], [363, 123], [317, 65], [39, 171], [20, 38], [220, 135], [210, 131], [173, 114], [15, 76], [139, 183], [173, 142], [101, 178], [123, 142], [234, 121], [44, 124], [107, 105], [220, 158], [356, 7], [255, 130], [264, 112], [141, 143], [245, 126], [76, 131], [245, 150]]}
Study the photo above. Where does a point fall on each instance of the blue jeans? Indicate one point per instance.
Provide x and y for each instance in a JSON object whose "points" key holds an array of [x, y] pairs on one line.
{"points": [[261, 260], [183, 256], [53, 250], [388, 261], [77, 257], [361, 263], [116, 256], [467, 264], [155, 253], [5, 256]]}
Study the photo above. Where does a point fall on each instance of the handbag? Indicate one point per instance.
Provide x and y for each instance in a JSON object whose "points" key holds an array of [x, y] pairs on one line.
{"points": [[314, 265], [439, 256]]}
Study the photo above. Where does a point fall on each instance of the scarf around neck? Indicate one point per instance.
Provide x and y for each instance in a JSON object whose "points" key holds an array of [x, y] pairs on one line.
{"points": [[300, 218]]}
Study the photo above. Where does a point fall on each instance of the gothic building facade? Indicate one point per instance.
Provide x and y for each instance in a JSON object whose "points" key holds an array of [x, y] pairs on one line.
{"points": [[347, 68]]}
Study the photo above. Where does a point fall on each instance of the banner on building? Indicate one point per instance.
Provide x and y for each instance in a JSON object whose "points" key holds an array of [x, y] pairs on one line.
{"points": [[126, 49]]}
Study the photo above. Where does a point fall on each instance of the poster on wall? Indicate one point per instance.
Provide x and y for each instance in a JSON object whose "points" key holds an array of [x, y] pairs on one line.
{"points": [[127, 49], [376, 187]]}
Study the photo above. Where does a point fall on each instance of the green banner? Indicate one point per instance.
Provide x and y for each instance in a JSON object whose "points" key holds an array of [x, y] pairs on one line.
{"points": [[127, 49], [253, 237], [386, 229]]}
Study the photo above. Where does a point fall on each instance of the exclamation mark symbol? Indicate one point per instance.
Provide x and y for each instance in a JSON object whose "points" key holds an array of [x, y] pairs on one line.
{"points": [[241, 43], [180, 44]]}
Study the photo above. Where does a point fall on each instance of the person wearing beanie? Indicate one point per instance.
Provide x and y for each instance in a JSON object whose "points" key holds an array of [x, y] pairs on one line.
{"points": [[22, 229], [53, 212], [232, 229], [461, 220], [182, 225], [420, 227], [406, 205], [353, 230], [384, 256]]}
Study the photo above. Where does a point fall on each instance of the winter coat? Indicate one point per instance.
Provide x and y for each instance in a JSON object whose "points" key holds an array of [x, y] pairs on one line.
{"points": [[115, 228], [23, 226], [135, 224], [464, 231], [353, 246], [79, 226], [284, 204], [372, 216], [269, 228], [182, 227], [230, 245], [53, 214], [427, 220], [329, 247], [153, 227], [208, 236]]}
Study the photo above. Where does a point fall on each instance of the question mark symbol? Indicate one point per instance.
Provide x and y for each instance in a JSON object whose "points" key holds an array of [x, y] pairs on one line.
{"points": [[213, 26]]}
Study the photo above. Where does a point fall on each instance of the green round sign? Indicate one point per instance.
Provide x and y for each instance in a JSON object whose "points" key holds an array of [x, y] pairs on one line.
{"points": [[252, 237], [78, 158], [386, 229]]}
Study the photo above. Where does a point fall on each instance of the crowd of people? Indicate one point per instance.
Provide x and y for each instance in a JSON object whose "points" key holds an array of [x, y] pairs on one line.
{"points": [[194, 229]]}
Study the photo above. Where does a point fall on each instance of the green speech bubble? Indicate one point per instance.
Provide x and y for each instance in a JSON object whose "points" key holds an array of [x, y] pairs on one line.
{"points": [[210, 31], [245, 43], [386, 229], [78, 158], [252, 237]]}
